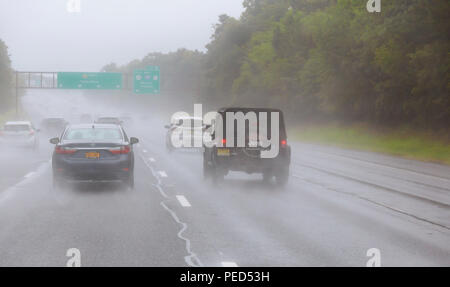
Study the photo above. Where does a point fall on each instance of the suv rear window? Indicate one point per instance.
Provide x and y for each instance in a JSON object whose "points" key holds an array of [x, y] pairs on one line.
{"points": [[282, 129]]}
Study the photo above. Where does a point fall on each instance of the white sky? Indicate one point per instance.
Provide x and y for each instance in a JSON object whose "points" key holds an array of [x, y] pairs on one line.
{"points": [[43, 36]]}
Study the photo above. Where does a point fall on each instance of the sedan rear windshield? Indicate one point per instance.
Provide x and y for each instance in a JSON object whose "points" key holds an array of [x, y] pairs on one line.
{"points": [[90, 134], [17, 128]]}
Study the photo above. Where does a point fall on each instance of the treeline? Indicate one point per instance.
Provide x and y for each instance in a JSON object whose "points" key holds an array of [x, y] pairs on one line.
{"points": [[6, 80], [181, 72], [324, 59]]}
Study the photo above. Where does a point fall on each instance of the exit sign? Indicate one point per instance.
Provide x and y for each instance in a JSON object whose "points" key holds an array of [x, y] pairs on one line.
{"points": [[146, 81], [89, 81]]}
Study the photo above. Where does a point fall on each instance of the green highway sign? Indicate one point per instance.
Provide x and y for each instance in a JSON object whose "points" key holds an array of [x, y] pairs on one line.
{"points": [[146, 81], [90, 81]]}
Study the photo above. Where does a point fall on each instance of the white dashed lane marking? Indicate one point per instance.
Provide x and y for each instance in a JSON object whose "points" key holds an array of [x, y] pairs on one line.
{"points": [[151, 159], [183, 201], [229, 264], [29, 174]]}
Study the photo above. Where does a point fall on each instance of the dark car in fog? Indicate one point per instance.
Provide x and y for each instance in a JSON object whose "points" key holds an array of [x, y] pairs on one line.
{"points": [[225, 154], [93, 152], [86, 119], [53, 125], [109, 120], [126, 118]]}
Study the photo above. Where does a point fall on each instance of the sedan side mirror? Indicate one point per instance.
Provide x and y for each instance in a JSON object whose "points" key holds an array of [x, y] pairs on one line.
{"points": [[134, 140], [54, 141]]}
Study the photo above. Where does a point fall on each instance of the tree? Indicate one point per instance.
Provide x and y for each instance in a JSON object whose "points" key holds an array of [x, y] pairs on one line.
{"points": [[6, 79]]}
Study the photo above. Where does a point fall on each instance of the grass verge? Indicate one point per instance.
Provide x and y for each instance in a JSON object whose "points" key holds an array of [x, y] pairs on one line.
{"points": [[404, 142]]}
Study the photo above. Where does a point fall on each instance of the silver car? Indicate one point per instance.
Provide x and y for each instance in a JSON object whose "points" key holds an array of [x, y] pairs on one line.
{"points": [[20, 134]]}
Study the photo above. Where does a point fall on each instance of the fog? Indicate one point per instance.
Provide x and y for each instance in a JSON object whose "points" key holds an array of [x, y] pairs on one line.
{"points": [[136, 199], [44, 36]]}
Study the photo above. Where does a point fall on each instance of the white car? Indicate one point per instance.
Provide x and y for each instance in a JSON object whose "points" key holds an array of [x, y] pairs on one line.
{"points": [[189, 127], [20, 134]]}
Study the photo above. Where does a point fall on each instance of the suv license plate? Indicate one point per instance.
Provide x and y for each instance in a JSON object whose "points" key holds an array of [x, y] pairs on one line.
{"points": [[223, 152]]}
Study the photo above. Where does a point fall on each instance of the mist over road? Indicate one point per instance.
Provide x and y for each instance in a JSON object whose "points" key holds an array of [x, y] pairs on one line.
{"points": [[338, 204]]}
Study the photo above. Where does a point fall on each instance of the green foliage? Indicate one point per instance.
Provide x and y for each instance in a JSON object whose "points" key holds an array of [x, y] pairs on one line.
{"points": [[324, 59], [181, 71], [6, 79], [334, 59]]}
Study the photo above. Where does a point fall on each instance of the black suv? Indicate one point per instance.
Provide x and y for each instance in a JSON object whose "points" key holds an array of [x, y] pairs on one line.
{"points": [[221, 156]]}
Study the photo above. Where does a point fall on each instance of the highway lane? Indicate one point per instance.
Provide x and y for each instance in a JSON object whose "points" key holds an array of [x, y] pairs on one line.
{"points": [[17, 164], [110, 225], [338, 204], [317, 219]]}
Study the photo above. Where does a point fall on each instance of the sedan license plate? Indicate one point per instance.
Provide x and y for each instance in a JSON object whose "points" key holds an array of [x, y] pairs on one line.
{"points": [[223, 152], [92, 154]]}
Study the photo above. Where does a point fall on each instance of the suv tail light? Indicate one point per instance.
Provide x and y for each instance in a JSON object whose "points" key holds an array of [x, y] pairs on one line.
{"points": [[64, 150], [283, 143], [121, 150]]}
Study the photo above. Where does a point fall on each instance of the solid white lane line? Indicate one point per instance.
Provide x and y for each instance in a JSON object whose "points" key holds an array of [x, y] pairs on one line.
{"points": [[154, 173], [229, 264], [162, 173], [29, 174], [183, 201], [191, 259]]}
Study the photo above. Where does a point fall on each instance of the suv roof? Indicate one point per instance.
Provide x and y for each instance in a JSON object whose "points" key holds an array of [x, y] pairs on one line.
{"points": [[53, 118], [245, 110], [115, 118]]}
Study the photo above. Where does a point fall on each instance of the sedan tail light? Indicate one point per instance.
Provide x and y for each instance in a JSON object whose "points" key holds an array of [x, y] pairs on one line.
{"points": [[64, 150], [121, 150]]}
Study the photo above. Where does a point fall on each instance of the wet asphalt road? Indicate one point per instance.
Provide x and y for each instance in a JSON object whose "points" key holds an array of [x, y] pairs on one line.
{"points": [[338, 204]]}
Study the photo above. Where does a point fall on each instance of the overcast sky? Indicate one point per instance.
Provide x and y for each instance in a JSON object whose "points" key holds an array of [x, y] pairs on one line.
{"points": [[43, 36]]}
